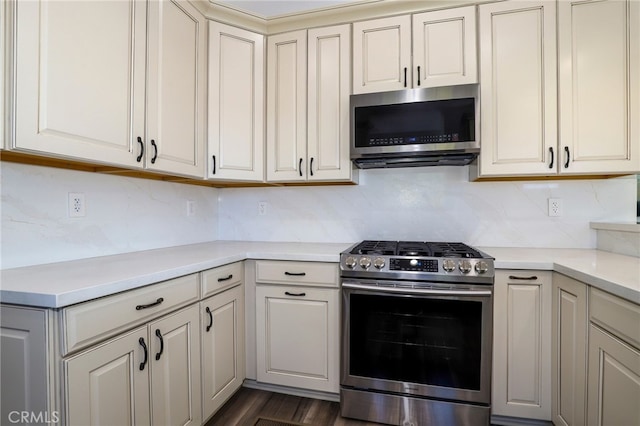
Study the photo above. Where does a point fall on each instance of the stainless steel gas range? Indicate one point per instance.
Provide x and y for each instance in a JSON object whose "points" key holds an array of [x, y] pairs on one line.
{"points": [[416, 333]]}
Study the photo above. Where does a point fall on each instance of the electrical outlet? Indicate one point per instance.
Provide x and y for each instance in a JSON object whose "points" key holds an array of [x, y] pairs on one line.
{"points": [[262, 208], [555, 207], [76, 204], [191, 208]]}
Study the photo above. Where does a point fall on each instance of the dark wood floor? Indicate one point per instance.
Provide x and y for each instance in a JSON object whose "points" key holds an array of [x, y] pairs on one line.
{"points": [[247, 404]]}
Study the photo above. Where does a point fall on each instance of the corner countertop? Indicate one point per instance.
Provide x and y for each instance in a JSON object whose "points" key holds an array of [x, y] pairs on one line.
{"points": [[57, 285], [615, 273]]}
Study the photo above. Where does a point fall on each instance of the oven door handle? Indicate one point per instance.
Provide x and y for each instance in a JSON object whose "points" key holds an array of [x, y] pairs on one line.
{"points": [[419, 291]]}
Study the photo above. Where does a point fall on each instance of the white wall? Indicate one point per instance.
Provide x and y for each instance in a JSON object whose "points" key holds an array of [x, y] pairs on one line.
{"points": [[437, 203], [127, 214], [122, 215]]}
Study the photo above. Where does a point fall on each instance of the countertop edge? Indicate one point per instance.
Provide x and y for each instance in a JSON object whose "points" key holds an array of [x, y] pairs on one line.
{"points": [[200, 257]]}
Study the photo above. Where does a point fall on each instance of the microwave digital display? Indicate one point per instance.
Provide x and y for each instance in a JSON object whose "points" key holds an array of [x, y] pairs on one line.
{"points": [[415, 123]]}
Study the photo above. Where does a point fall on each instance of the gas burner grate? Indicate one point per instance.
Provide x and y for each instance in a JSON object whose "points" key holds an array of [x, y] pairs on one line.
{"points": [[453, 250], [376, 247], [414, 248]]}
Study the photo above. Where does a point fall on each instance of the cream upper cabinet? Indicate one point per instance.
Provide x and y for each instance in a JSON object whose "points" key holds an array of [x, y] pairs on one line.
{"points": [[176, 83], [522, 345], [89, 87], [444, 47], [599, 83], [308, 105], [427, 49], [518, 88], [382, 55], [585, 121], [236, 104]]}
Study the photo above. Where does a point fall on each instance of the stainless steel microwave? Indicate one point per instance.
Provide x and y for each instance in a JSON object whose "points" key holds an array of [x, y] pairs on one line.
{"points": [[418, 127]]}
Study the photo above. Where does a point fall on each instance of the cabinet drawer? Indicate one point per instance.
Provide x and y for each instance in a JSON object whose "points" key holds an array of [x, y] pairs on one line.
{"points": [[619, 316], [217, 279], [93, 321], [295, 273]]}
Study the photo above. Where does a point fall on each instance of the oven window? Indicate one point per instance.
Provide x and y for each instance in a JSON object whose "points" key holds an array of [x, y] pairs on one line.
{"points": [[417, 340]]}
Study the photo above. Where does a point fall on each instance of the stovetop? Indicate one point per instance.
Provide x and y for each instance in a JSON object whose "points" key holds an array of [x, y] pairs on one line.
{"points": [[417, 260]]}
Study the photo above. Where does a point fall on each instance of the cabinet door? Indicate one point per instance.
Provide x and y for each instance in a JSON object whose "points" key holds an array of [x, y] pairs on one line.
{"points": [[223, 363], [614, 380], [436, 63], [236, 103], [518, 88], [522, 344], [24, 364], [175, 369], [106, 385], [599, 83], [80, 79], [329, 89], [382, 55], [297, 337], [287, 106], [569, 351], [176, 81]]}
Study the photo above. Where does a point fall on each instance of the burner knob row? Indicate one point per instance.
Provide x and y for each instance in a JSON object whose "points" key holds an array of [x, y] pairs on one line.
{"points": [[365, 262], [465, 267]]}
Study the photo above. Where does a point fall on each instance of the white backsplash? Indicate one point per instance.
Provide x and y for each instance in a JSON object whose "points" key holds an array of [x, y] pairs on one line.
{"points": [[128, 214], [436, 203], [122, 215]]}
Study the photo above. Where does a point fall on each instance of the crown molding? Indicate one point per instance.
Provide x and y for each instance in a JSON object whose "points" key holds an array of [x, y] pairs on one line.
{"points": [[333, 15]]}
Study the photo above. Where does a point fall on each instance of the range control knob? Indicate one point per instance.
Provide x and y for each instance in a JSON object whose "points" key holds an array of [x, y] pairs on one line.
{"points": [[481, 267], [365, 262], [464, 266], [379, 263], [350, 262], [448, 265]]}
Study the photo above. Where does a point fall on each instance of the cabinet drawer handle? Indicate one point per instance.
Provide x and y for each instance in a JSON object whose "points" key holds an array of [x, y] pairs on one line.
{"points": [[295, 294], [150, 305], [566, 149], [418, 75], [300, 167], [144, 347], [210, 319], [531, 278], [551, 152], [159, 334], [225, 278], [296, 274], [155, 152], [405, 76], [214, 164], [311, 166], [139, 157]]}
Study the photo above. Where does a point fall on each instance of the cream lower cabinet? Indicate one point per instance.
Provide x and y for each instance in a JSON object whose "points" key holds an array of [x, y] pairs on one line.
{"points": [[297, 324], [149, 375], [613, 384], [569, 351], [223, 348], [522, 345]]}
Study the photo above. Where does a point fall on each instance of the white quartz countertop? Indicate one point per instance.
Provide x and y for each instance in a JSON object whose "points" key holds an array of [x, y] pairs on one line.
{"points": [[614, 273], [56, 285]]}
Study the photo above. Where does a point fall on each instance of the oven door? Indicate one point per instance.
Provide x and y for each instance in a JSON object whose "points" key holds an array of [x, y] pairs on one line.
{"points": [[430, 342]]}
